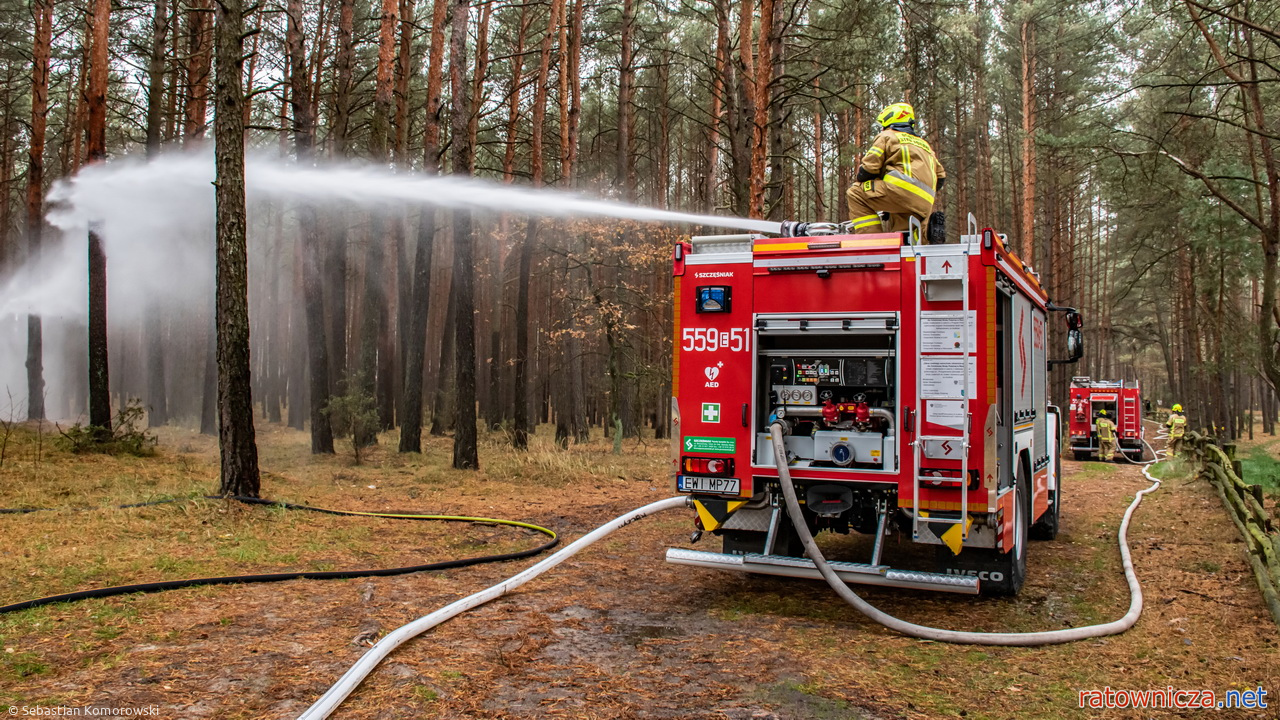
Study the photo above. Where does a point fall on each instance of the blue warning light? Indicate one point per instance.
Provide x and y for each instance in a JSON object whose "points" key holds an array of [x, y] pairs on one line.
{"points": [[714, 299]]}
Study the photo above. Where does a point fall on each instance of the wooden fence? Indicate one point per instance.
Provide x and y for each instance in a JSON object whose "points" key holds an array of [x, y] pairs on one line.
{"points": [[1246, 506]]}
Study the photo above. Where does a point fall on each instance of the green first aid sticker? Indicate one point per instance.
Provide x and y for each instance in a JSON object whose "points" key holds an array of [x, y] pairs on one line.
{"points": [[723, 446], [711, 412]]}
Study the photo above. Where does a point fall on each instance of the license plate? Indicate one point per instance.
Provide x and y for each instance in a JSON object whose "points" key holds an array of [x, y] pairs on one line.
{"points": [[712, 485]]}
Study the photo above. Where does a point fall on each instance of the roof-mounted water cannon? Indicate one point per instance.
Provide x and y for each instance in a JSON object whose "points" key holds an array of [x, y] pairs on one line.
{"points": [[795, 228]]}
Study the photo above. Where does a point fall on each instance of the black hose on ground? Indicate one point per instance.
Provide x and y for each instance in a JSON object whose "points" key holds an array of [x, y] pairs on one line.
{"points": [[301, 575]]}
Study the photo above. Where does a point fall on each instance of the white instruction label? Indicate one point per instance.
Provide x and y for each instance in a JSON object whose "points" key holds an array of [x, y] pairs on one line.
{"points": [[945, 265], [945, 412], [943, 377], [943, 332]]}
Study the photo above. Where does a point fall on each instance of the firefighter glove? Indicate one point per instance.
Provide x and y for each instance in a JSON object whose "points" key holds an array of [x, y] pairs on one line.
{"points": [[864, 174]]}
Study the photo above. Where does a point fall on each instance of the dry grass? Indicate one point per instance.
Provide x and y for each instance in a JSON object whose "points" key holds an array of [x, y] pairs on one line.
{"points": [[614, 633], [72, 548]]}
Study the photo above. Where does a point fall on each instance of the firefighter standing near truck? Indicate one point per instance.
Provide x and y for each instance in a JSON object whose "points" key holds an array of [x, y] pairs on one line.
{"points": [[1106, 436], [1177, 424], [899, 175]]}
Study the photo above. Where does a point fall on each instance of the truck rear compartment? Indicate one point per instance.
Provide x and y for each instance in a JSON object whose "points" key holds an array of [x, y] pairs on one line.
{"points": [[888, 370]]}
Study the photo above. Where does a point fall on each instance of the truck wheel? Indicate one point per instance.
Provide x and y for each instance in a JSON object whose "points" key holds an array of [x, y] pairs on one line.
{"points": [[1046, 528], [1013, 564], [1081, 455], [999, 574]]}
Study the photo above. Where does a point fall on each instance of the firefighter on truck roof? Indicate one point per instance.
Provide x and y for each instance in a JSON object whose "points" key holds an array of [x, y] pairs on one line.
{"points": [[1106, 436], [1177, 424], [899, 175]]}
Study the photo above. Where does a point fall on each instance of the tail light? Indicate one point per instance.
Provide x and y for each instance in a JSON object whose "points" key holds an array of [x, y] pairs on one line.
{"points": [[716, 467]]}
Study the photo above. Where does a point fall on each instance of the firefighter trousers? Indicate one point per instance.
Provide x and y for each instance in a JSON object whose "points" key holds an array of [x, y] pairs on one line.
{"points": [[867, 199], [1175, 444], [1107, 449]]}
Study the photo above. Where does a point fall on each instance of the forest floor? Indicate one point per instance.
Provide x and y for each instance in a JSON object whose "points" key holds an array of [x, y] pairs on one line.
{"points": [[613, 633]]}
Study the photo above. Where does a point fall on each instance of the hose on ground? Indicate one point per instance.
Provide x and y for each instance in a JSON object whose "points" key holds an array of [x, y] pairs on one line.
{"points": [[332, 698], [159, 586], [1162, 433], [1046, 637]]}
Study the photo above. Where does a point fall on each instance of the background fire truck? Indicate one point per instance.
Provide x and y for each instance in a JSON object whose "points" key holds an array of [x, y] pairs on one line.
{"points": [[909, 381], [1123, 402]]}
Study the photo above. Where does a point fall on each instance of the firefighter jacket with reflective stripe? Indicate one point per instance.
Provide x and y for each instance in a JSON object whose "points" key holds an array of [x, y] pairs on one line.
{"points": [[1177, 424], [906, 162], [1106, 429]]}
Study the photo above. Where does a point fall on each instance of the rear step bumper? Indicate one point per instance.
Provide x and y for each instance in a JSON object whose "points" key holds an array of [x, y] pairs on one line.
{"points": [[804, 568]]}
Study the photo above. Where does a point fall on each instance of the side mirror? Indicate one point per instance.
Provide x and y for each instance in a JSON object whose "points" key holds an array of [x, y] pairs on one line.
{"points": [[1075, 345], [1075, 338]]}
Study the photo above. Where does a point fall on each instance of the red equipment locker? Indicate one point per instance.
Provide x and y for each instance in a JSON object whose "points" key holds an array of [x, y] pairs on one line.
{"points": [[910, 381]]}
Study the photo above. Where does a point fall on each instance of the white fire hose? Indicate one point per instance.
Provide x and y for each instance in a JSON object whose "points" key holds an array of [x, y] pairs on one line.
{"points": [[1046, 637], [345, 685], [365, 665]]}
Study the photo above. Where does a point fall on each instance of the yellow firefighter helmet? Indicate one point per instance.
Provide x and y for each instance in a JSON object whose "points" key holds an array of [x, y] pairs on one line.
{"points": [[1102, 413], [1177, 407], [896, 113]]}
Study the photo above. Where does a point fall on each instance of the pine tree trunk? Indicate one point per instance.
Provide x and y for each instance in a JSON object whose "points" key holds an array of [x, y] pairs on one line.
{"points": [[762, 68], [626, 81], [404, 71], [336, 261], [465, 454], [781, 184], [513, 97], [235, 402], [574, 71], [293, 384], [403, 269], [318, 385], [442, 406], [415, 344], [374, 324], [42, 13], [416, 351], [1025, 245], [209, 390], [718, 86], [520, 434], [493, 411], [198, 63], [819, 166], [520, 438], [844, 164], [344, 76], [984, 180], [96, 147], [742, 111]]}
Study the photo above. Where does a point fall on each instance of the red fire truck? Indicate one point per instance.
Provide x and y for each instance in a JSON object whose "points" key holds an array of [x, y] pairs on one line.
{"points": [[909, 381], [1123, 402]]}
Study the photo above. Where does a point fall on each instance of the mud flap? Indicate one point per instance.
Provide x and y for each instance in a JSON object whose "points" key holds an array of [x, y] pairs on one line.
{"points": [[951, 534], [714, 511]]}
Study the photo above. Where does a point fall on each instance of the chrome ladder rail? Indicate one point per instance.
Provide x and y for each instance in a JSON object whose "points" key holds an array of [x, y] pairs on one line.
{"points": [[918, 445]]}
